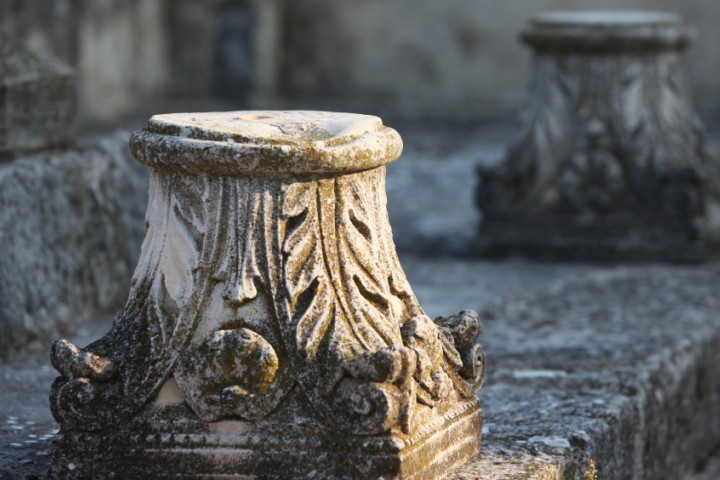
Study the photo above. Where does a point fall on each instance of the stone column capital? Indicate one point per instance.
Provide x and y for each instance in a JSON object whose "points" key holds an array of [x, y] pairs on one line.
{"points": [[611, 160], [270, 329], [607, 31]]}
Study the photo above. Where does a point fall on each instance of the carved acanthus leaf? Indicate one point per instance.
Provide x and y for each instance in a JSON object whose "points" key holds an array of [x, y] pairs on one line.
{"points": [[338, 293], [157, 321], [364, 267], [311, 302], [317, 258], [240, 268]]}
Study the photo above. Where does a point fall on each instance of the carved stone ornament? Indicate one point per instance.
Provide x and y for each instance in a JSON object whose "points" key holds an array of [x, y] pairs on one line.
{"points": [[611, 161], [270, 331]]}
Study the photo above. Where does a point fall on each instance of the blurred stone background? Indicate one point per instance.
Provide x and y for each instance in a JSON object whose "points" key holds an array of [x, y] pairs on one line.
{"points": [[449, 75], [452, 60]]}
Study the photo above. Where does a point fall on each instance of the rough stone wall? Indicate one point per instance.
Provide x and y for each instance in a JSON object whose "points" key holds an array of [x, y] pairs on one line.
{"points": [[70, 229], [455, 59]]}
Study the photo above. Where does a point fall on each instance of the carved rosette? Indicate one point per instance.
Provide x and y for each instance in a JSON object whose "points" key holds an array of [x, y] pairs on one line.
{"points": [[608, 126], [255, 281]]}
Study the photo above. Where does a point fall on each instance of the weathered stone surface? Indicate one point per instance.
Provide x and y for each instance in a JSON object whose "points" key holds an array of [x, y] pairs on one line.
{"points": [[69, 230], [620, 367], [255, 142], [269, 321], [38, 99], [611, 161]]}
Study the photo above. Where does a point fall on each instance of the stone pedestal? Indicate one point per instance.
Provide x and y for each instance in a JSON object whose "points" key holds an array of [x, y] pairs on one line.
{"points": [[610, 162], [270, 331]]}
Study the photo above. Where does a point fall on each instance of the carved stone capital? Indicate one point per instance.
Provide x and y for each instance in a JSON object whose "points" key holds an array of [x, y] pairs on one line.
{"points": [[268, 295], [610, 161]]}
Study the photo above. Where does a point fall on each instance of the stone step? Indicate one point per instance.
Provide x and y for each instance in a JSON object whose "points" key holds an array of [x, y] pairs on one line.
{"points": [[621, 368], [615, 365]]}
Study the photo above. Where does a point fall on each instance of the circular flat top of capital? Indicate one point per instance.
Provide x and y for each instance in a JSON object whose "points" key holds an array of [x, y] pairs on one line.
{"points": [[607, 18], [264, 142], [608, 29]]}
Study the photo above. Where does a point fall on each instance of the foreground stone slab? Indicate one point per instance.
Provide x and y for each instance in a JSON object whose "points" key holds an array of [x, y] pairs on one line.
{"points": [[270, 331], [621, 367], [611, 161], [38, 100], [532, 408]]}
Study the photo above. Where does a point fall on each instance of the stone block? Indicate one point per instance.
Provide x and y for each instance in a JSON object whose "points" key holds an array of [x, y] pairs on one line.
{"points": [[71, 219], [38, 100], [621, 367]]}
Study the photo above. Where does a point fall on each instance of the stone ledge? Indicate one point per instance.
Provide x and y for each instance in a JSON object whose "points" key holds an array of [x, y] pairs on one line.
{"points": [[622, 367]]}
